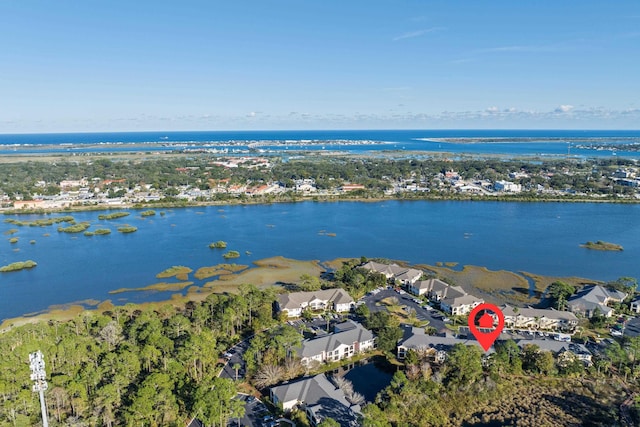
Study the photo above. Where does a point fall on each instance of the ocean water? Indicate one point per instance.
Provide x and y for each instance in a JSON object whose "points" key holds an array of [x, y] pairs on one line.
{"points": [[541, 238], [529, 142]]}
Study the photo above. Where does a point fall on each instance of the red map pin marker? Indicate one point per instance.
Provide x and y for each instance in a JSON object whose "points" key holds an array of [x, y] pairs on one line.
{"points": [[486, 339]]}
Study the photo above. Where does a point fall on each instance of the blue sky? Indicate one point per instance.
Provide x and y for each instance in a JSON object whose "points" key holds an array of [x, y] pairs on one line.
{"points": [[115, 65]]}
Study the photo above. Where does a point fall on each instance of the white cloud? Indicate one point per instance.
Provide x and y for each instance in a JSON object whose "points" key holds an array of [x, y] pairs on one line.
{"points": [[525, 48], [418, 33], [580, 117], [564, 109]]}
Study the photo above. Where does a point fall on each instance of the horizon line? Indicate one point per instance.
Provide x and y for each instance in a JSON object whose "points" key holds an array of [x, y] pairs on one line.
{"points": [[322, 130]]}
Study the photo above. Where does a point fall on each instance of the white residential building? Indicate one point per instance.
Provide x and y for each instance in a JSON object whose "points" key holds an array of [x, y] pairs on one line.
{"points": [[592, 299], [434, 289], [536, 318], [507, 186], [460, 305], [327, 299], [404, 275], [349, 338]]}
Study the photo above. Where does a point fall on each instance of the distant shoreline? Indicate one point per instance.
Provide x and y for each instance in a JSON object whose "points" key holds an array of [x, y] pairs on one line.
{"points": [[319, 199]]}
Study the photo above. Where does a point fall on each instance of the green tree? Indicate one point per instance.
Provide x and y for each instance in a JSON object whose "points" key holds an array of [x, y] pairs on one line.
{"points": [[309, 283], [559, 292], [463, 366], [154, 402], [363, 310], [386, 328], [214, 402], [374, 416], [328, 422]]}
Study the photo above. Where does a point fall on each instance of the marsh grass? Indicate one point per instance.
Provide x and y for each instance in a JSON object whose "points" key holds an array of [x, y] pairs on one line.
{"points": [[218, 270], [161, 286], [114, 215], [180, 272]]}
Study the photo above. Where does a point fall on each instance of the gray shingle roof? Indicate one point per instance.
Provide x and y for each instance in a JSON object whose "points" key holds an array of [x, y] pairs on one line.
{"points": [[346, 333], [551, 313], [297, 299], [318, 393], [464, 299], [592, 297], [416, 338], [431, 285]]}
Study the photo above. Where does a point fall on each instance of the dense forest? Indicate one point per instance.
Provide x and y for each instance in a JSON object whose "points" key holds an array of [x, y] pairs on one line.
{"points": [[132, 366]]}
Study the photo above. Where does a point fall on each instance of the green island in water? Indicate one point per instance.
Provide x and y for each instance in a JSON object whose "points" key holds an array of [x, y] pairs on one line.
{"points": [[114, 215], [17, 266], [602, 246]]}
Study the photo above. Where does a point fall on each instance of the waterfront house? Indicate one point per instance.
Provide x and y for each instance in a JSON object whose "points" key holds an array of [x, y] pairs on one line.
{"points": [[593, 298], [403, 275], [336, 299], [507, 186], [635, 304], [435, 289], [536, 318], [319, 398], [348, 339], [409, 276]]}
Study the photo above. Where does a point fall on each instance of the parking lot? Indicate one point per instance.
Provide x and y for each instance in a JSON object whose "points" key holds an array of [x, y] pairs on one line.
{"points": [[434, 317], [256, 414], [632, 328]]}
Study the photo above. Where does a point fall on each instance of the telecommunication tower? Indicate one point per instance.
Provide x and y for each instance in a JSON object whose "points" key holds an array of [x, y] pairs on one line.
{"points": [[38, 376]]}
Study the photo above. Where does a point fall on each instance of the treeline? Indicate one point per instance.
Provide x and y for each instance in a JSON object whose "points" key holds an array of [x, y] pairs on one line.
{"points": [[130, 366]]}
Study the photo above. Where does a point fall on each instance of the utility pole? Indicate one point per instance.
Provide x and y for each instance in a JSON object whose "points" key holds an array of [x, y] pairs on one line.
{"points": [[38, 376]]}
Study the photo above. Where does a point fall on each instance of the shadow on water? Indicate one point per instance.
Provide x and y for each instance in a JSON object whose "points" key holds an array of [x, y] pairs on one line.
{"points": [[370, 376]]}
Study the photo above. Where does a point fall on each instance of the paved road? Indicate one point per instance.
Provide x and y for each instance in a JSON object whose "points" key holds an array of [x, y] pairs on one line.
{"points": [[405, 299], [236, 352]]}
